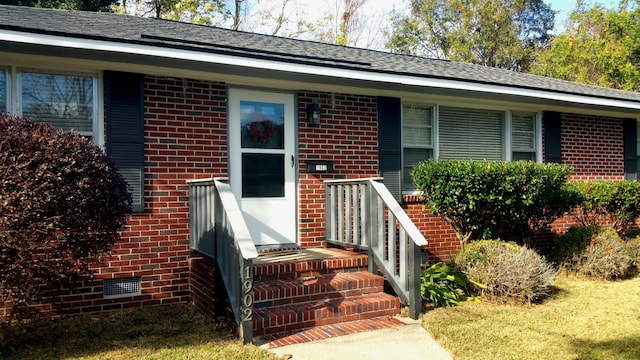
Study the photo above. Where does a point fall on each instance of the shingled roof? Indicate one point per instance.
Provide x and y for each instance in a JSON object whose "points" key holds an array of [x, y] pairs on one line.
{"points": [[119, 28]]}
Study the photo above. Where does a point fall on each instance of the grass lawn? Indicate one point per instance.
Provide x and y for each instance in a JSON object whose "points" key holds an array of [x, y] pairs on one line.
{"points": [[584, 320], [165, 332]]}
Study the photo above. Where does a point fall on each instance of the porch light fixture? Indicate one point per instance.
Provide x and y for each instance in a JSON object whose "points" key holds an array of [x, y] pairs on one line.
{"points": [[313, 114]]}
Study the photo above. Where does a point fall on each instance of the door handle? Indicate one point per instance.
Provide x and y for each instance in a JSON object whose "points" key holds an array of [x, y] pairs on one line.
{"points": [[293, 161]]}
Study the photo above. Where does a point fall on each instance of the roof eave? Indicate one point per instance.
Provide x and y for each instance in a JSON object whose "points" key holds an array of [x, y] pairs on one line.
{"points": [[410, 80]]}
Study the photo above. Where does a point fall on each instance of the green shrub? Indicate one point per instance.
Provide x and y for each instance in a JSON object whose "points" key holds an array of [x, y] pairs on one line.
{"points": [[509, 272], [444, 285], [568, 248], [480, 199], [612, 204], [62, 202], [607, 257]]}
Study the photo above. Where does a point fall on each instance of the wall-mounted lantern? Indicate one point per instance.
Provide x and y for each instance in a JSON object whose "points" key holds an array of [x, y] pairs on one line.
{"points": [[313, 114]]}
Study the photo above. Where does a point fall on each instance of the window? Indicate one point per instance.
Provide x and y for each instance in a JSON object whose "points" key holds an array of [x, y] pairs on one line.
{"points": [[455, 133], [417, 140], [3, 90], [470, 134], [523, 136], [64, 101]]}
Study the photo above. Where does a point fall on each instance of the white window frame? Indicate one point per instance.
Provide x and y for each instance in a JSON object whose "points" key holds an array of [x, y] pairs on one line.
{"points": [[14, 96], [537, 129], [431, 147]]}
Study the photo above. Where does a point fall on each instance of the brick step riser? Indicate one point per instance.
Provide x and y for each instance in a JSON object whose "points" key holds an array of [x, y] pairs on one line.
{"points": [[305, 274], [343, 285], [273, 323], [309, 269], [289, 300]]}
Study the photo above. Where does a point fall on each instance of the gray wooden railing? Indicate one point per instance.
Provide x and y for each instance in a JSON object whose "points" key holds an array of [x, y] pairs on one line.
{"points": [[217, 229], [363, 214]]}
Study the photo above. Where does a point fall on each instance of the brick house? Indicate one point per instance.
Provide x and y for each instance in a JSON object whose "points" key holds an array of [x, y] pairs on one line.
{"points": [[174, 102]]}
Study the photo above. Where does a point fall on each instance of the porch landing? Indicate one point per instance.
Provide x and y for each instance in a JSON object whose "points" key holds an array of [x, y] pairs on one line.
{"points": [[312, 294]]}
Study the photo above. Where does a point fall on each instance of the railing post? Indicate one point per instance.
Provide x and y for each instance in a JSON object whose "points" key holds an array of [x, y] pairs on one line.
{"points": [[415, 296]]}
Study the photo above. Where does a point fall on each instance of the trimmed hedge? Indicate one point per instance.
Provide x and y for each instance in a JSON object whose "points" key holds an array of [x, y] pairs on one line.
{"points": [[608, 204], [480, 199]]}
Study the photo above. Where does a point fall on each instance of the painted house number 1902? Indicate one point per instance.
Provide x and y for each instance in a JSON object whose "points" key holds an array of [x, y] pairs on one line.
{"points": [[247, 294]]}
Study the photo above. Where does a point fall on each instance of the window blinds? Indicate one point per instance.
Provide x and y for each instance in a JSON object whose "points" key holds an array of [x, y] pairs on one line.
{"points": [[470, 134]]}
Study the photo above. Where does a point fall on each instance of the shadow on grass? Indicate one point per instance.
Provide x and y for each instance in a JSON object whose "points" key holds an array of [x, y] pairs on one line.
{"points": [[624, 348], [148, 329]]}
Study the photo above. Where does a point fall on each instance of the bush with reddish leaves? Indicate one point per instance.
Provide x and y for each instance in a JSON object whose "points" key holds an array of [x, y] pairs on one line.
{"points": [[62, 205]]}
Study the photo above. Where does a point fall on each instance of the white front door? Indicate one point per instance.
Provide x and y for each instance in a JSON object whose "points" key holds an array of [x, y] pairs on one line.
{"points": [[262, 163]]}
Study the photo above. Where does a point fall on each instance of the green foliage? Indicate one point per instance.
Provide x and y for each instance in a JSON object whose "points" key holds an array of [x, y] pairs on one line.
{"points": [[481, 199], [84, 5], [493, 33], [614, 204], [62, 203], [599, 47], [444, 285], [510, 273], [607, 257]]}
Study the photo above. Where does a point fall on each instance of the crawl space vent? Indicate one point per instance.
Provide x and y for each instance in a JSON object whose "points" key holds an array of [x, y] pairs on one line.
{"points": [[114, 288]]}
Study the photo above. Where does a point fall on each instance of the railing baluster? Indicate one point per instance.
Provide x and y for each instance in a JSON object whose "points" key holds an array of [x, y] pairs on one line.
{"points": [[403, 266], [356, 215], [340, 219], [348, 234]]}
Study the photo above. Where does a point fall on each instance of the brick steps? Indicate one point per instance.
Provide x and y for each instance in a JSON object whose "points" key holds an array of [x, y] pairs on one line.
{"points": [[295, 296]]}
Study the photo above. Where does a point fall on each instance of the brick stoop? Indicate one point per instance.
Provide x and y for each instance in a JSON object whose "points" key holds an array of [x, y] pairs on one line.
{"points": [[299, 300]]}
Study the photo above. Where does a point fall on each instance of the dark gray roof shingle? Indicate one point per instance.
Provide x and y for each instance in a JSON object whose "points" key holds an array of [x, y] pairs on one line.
{"points": [[163, 33]]}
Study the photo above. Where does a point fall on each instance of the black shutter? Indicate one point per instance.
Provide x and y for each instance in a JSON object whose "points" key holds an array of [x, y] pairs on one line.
{"points": [[630, 139], [552, 137], [390, 144], [125, 129]]}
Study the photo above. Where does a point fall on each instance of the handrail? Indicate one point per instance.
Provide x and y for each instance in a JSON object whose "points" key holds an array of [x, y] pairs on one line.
{"points": [[362, 213], [214, 211]]}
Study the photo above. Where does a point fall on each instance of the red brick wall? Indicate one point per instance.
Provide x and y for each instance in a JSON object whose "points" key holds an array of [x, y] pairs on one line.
{"points": [[593, 146], [185, 139], [348, 137], [202, 285]]}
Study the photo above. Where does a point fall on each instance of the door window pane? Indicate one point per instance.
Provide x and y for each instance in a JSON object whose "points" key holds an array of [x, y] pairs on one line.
{"points": [[262, 125], [262, 175], [63, 101]]}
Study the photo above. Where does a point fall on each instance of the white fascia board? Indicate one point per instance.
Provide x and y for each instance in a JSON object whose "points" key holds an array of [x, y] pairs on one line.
{"points": [[181, 54]]}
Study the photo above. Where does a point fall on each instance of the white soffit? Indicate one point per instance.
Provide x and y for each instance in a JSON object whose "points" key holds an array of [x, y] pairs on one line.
{"points": [[181, 54]]}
